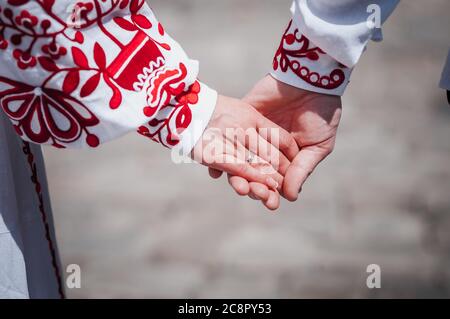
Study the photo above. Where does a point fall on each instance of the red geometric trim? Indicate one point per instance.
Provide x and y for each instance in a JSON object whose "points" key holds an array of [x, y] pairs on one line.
{"points": [[34, 179], [295, 46]]}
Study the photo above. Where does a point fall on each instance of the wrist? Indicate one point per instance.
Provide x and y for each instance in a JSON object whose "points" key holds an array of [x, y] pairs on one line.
{"points": [[270, 94]]}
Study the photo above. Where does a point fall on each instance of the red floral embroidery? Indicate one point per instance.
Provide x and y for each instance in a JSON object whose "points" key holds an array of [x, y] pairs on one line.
{"points": [[191, 96], [167, 130], [26, 19], [295, 46], [24, 59], [165, 85], [43, 114], [82, 9], [54, 51], [138, 61], [3, 43]]}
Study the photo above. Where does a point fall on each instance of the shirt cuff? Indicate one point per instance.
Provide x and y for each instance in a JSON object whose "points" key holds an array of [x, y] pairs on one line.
{"points": [[181, 124], [298, 62]]}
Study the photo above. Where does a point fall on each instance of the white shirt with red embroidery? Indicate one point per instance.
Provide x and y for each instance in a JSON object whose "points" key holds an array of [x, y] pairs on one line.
{"points": [[81, 74], [78, 74], [78, 80], [324, 41]]}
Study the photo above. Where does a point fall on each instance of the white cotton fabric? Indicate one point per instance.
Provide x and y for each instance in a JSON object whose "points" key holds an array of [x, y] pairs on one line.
{"points": [[325, 65], [129, 116], [26, 269], [339, 27]]}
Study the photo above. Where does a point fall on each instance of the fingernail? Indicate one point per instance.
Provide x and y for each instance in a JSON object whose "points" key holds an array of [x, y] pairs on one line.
{"points": [[272, 183]]}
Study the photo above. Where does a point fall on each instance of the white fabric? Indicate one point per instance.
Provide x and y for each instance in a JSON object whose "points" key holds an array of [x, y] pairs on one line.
{"points": [[27, 266], [160, 98], [339, 27], [126, 48], [293, 65], [26, 269]]}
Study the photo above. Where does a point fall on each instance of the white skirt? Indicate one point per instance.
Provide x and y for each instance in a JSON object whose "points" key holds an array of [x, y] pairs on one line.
{"points": [[29, 261]]}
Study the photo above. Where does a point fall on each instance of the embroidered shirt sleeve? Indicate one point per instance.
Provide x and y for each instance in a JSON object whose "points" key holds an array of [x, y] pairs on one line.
{"points": [[300, 63], [77, 74]]}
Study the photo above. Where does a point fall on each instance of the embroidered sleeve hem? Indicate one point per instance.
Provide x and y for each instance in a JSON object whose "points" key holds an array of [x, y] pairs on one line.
{"points": [[181, 124], [82, 83], [298, 62]]}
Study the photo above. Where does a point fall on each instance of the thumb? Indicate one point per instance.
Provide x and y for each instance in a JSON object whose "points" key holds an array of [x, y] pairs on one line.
{"points": [[301, 167]]}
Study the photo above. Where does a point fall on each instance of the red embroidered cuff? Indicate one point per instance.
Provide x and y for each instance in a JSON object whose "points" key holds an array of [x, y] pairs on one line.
{"points": [[180, 124], [298, 62]]}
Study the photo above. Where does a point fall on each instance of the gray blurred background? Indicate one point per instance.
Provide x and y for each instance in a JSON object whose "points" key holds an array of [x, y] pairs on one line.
{"points": [[140, 226]]}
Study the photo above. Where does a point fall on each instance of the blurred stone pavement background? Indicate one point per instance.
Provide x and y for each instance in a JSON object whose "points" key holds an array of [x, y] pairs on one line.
{"points": [[141, 226]]}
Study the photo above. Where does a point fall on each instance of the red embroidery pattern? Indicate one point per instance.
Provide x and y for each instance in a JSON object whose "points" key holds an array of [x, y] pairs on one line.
{"points": [[138, 61], [26, 106], [166, 84], [295, 46], [27, 27], [37, 185], [177, 115]]}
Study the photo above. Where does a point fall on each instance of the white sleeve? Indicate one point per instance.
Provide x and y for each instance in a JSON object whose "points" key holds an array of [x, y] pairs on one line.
{"points": [[342, 28], [324, 40], [78, 74]]}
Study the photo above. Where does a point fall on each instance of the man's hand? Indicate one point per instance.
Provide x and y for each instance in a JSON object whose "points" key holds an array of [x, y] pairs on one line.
{"points": [[310, 117], [235, 133]]}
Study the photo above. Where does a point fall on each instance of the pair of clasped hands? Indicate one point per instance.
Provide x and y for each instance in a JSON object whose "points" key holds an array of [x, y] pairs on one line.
{"points": [[267, 166]]}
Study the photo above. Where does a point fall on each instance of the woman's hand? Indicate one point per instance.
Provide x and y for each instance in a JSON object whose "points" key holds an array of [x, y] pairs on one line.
{"points": [[242, 142]]}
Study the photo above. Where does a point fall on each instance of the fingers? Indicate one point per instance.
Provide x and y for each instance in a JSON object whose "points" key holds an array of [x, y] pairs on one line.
{"points": [[259, 145], [273, 202], [277, 136], [268, 159], [269, 197], [263, 167], [239, 184], [266, 169], [301, 167], [230, 156], [257, 191], [233, 166]]}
